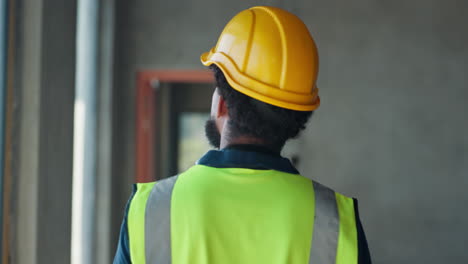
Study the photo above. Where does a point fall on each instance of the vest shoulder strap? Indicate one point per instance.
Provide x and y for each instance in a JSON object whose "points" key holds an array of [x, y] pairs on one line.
{"points": [[158, 222], [136, 219], [334, 238]]}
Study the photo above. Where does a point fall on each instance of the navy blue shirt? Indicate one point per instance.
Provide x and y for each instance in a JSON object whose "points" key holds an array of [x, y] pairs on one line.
{"points": [[242, 156]]}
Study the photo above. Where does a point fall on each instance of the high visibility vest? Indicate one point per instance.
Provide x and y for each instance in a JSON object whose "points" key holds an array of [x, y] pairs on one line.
{"points": [[237, 215]]}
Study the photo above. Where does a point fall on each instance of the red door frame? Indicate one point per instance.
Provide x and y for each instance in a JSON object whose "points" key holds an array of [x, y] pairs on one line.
{"points": [[146, 113]]}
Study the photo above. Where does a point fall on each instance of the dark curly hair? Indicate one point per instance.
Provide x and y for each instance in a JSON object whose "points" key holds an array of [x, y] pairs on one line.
{"points": [[250, 117]]}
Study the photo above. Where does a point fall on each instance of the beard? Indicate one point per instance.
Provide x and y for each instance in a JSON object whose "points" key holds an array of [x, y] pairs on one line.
{"points": [[212, 133]]}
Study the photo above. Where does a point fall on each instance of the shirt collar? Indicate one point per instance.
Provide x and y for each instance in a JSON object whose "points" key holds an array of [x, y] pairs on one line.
{"points": [[249, 157]]}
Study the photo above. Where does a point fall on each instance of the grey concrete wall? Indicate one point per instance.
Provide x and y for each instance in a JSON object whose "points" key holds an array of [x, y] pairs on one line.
{"points": [[392, 129], [43, 132]]}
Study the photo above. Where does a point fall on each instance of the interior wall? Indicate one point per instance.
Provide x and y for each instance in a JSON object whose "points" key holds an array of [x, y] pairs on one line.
{"points": [[392, 127], [42, 135]]}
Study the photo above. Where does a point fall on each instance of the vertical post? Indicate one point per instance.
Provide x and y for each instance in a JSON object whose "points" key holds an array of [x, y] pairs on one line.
{"points": [[44, 92], [145, 130], [3, 70], [84, 145], [103, 246]]}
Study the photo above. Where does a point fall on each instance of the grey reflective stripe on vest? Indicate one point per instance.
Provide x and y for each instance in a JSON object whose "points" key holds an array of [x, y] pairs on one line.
{"points": [[326, 226], [158, 222]]}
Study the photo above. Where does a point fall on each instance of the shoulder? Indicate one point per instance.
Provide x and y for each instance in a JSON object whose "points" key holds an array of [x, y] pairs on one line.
{"points": [[135, 219], [324, 192], [331, 204], [143, 192]]}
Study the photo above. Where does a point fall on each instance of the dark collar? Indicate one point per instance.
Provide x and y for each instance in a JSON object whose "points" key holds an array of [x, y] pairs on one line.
{"points": [[249, 157]]}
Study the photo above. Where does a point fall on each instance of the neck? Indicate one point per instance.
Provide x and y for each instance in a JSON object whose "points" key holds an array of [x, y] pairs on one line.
{"points": [[242, 140], [246, 140]]}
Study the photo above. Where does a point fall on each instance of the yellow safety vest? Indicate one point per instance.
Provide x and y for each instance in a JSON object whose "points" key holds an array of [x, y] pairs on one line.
{"points": [[240, 216]]}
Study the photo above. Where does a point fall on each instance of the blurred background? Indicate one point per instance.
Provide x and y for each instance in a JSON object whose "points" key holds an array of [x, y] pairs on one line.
{"points": [[98, 94]]}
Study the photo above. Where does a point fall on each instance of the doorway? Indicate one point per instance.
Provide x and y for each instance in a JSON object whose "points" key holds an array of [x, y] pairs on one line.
{"points": [[172, 108]]}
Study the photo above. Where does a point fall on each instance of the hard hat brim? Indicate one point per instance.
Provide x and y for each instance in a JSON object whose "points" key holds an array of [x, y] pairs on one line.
{"points": [[262, 92]]}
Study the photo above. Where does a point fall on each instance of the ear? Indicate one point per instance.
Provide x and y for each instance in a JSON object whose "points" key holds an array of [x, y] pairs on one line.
{"points": [[222, 110]]}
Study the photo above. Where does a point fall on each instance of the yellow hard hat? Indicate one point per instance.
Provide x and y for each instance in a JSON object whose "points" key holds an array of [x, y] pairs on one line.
{"points": [[267, 53]]}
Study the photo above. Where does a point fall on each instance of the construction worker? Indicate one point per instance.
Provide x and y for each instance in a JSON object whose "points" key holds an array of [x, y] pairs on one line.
{"points": [[244, 203]]}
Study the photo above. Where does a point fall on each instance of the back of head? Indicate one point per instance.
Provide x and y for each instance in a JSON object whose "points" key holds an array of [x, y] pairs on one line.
{"points": [[251, 117], [266, 67]]}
